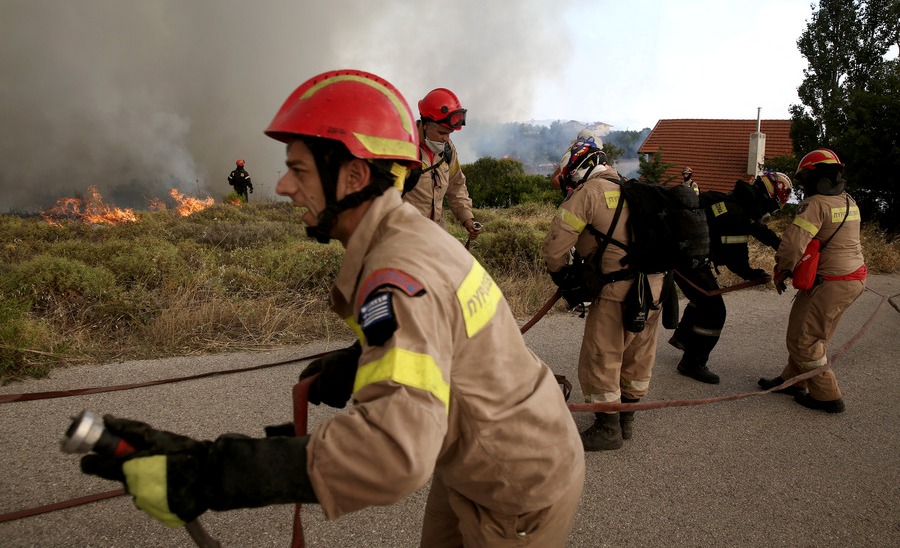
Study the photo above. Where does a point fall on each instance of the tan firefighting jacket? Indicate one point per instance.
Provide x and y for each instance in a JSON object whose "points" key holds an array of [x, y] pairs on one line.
{"points": [[818, 217], [444, 180], [454, 391], [594, 203]]}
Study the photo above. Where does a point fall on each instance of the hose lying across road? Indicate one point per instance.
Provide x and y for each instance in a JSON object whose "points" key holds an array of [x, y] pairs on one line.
{"points": [[574, 407]]}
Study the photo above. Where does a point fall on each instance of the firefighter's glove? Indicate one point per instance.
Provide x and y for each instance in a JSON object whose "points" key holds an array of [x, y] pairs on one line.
{"points": [[778, 279], [337, 373], [175, 478], [570, 284]]}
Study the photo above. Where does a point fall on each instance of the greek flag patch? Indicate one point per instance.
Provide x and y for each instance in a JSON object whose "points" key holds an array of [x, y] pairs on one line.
{"points": [[376, 318]]}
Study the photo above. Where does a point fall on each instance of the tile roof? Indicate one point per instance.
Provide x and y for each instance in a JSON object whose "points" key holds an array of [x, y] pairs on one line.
{"points": [[716, 150]]}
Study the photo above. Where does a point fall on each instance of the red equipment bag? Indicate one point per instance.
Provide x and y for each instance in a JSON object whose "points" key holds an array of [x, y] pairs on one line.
{"points": [[804, 273]]}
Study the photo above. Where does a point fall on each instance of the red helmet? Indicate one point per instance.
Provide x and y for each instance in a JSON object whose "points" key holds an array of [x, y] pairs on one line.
{"points": [[777, 185], [817, 157], [443, 107], [239, 163], [687, 171], [361, 110]]}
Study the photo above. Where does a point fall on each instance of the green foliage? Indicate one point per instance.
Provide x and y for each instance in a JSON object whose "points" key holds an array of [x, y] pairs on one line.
{"points": [[850, 96], [653, 168], [511, 246], [502, 183]]}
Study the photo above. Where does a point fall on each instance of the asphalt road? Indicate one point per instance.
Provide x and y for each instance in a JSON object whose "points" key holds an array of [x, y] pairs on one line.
{"points": [[760, 471]]}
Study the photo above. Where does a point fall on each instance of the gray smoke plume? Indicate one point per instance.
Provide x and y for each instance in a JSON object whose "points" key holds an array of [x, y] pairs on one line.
{"points": [[137, 98]]}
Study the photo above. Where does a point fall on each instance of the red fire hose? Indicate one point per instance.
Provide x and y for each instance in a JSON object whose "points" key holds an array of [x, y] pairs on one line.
{"points": [[301, 408]]}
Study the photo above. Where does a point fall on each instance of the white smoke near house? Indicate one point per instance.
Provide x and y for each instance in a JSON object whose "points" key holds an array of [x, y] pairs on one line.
{"points": [[137, 98]]}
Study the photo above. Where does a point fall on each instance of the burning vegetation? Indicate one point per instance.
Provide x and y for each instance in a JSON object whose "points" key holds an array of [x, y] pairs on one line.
{"points": [[92, 209]]}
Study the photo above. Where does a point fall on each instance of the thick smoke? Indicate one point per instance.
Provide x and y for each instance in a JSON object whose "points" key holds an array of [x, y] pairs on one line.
{"points": [[137, 98]]}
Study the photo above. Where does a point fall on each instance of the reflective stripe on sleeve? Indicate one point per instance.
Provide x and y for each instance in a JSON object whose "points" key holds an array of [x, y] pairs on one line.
{"points": [[571, 219], [407, 368], [806, 225]]}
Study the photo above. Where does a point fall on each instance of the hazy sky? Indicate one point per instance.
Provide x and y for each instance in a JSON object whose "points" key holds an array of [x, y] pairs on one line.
{"points": [[139, 97]]}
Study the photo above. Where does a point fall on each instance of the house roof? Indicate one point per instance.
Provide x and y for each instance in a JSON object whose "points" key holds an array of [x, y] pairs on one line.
{"points": [[716, 150]]}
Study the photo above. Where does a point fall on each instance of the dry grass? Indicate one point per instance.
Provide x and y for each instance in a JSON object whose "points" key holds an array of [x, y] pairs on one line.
{"points": [[229, 278]]}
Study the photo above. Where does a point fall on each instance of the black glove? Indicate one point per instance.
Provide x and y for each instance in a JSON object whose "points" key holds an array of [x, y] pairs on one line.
{"points": [[175, 478], [570, 284], [337, 372]]}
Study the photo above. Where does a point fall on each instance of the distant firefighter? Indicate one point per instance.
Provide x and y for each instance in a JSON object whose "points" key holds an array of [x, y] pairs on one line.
{"points": [[240, 180]]}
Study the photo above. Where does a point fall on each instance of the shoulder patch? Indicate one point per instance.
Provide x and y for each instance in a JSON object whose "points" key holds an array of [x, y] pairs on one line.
{"points": [[392, 277], [802, 208], [719, 208], [376, 318]]}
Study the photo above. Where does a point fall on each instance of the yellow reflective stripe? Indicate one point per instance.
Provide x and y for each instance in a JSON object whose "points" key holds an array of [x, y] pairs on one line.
{"points": [[391, 96], [612, 198], [806, 225], [735, 239], [719, 209], [478, 298], [571, 219], [837, 214], [810, 365], [146, 480], [407, 368], [383, 146], [351, 322]]}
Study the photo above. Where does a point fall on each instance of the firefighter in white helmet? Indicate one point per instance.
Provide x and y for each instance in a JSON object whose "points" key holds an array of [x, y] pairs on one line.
{"points": [[827, 224], [440, 114], [615, 364], [441, 381]]}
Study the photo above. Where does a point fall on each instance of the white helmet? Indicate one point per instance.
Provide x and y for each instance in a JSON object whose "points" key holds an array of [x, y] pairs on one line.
{"points": [[588, 136]]}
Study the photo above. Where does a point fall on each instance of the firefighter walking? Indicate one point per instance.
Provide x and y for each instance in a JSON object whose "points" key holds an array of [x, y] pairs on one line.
{"points": [[732, 219], [827, 218], [614, 364], [240, 180], [440, 114]]}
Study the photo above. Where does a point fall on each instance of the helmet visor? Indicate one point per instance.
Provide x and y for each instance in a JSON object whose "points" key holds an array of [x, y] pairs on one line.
{"points": [[454, 120]]}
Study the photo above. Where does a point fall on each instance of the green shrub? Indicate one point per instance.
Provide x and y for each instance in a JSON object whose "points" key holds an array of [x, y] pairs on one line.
{"points": [[20, 340]]}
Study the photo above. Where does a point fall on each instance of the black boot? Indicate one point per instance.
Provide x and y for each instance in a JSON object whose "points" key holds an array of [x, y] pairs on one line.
{"points": [[829, 406], [792, 390], [674, 341], [604, 435], [697, 371], [626, 419]]}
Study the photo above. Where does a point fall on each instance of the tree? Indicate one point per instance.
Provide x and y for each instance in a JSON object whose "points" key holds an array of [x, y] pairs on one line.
{"points": [[850, 97], [502, 183], [652, 169]]}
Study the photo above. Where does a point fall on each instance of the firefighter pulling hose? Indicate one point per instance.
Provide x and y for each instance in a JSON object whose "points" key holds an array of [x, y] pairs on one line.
{"points": [[87, 433]]}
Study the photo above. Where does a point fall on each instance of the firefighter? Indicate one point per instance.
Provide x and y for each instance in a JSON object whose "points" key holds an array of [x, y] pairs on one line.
{"points": [[827, 214], [687, 175], [614, 364], [732, 219], [440, 114], [443, 385], [240, 180]]}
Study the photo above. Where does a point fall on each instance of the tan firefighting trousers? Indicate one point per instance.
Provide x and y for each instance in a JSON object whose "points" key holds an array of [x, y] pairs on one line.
{"points": [[815, 315], [452, 520], [615, 362]]}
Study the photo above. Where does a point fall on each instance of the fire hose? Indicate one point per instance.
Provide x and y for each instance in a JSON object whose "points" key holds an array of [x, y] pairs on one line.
{"points": [[301, 389], [87, 433]]}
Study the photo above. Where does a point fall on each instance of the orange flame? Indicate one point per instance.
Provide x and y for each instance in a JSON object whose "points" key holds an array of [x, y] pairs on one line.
{"points": [[187, 205], [91, 210]]}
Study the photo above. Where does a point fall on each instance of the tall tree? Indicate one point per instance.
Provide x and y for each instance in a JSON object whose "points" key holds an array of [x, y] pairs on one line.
{"points": [[849, 97]]}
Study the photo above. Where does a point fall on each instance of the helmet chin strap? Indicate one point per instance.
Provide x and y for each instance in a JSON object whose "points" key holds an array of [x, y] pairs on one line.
{"points": [[327, 219]]}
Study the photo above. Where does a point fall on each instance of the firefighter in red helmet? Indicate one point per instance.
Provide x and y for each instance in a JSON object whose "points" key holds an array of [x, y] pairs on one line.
{"points": [[240, 180], [440, 114], [441, 383], [826, 225]]}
